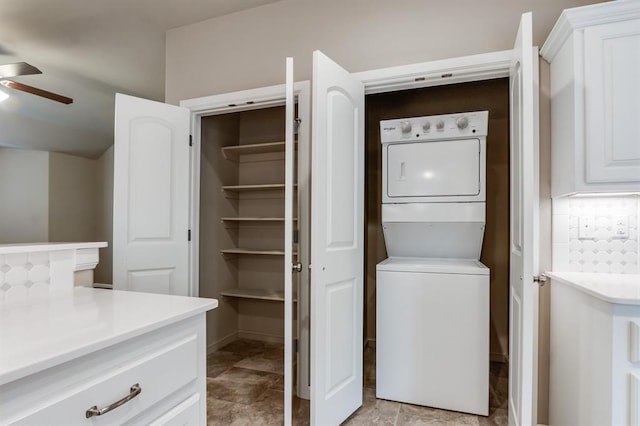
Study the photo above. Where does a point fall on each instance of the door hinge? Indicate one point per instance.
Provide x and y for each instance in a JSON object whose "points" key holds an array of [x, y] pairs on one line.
{"points": [[296, 126], [540, 279], [190, 140], [189, 235]]}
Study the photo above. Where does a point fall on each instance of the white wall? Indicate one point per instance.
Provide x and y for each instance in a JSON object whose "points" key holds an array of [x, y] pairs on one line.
{"points": [[24, 196], [247, 49], [47, 196], [72, 198]]}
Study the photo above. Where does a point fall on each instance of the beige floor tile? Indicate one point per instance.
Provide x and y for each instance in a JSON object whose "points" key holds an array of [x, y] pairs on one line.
{"points": [[374, 411], [240, 385], [415, 415], [271, 361], [497, 417], [498, 392], [245, 387], [220, 361]]}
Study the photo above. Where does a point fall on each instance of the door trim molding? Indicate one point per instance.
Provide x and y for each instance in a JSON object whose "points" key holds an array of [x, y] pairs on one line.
{"points": [[485, 66]]}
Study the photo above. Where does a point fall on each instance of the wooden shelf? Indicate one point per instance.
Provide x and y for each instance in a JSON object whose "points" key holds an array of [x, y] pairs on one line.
{"points": [[257, 294], [254, 188], [255, 252], [255, 219], [235, 151]]}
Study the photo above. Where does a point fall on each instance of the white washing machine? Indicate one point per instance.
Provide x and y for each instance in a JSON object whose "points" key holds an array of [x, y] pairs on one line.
{"points": [[432, 293]]}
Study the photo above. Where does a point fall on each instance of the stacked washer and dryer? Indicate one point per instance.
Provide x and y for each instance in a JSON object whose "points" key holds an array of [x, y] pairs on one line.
{"points": [[432, 301]]}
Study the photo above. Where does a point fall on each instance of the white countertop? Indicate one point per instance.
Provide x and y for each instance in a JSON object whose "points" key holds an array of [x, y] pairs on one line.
{"points": [[612, 288], [40, 333], [38, 247]]}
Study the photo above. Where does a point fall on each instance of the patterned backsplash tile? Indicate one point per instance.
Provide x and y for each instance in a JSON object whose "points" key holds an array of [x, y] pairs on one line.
{"points": [[24, 274], [604, 252]]}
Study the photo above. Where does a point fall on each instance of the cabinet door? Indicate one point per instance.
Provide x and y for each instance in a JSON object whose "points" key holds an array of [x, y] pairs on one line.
{"points": [[612, 102], [523, 294], [151, 197], [337, 242], [288, 243]]}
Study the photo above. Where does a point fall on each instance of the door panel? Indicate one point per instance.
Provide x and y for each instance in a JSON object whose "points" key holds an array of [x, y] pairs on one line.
{"points": [[151, 197], [423, 169], [611, 83], [337, 240], [288, 243], [523, 303]]}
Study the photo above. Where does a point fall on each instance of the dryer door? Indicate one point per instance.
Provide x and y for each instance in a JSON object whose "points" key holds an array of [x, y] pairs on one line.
{"points": [[429, 171]]}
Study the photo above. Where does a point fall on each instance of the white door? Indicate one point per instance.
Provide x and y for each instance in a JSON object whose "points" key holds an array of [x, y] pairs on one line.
{"points": [[151, 197], [288, 242], [523, 315], [337, 239]]}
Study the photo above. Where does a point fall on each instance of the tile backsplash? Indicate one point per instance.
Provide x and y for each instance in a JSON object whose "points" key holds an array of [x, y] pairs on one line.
{"points": [[24, 274], [599, 250]]}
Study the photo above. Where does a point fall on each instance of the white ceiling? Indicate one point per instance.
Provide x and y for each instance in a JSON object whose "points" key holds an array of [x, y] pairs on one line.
{"points": [[88, 50]]}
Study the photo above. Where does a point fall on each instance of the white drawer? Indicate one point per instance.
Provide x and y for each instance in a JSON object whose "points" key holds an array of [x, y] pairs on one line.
{"points": [[185, 413], [634, 341], [158, 373]]}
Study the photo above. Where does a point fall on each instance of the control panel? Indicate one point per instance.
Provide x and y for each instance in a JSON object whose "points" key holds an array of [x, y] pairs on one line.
{"points": [[435, 127]]}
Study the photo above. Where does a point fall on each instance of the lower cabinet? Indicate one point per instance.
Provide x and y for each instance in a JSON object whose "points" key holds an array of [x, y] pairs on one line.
{"points": [[594, 360], [157, 378]]}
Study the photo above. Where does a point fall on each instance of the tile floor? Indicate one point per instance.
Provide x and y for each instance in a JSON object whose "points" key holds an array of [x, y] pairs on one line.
{"points": [[245, 387]]}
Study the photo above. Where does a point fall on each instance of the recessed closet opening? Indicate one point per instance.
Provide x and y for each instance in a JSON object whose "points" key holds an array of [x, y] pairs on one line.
{"points": [[241, 240], [241, 249], [487, 95]]}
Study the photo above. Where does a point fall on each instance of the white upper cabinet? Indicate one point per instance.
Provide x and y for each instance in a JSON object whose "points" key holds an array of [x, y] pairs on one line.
{"points": [[594, 52]]}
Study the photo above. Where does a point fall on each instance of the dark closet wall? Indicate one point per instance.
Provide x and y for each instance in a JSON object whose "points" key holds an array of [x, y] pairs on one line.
{"points": [[492, 96]]}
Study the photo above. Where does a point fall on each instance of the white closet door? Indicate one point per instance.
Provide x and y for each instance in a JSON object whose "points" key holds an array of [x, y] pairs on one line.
{"points": [[288, 242], [337, 205], [151, 197], [524, 246]]}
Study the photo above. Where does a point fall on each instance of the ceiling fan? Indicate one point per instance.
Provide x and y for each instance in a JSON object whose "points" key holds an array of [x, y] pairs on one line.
{"points": [[23, 68]]}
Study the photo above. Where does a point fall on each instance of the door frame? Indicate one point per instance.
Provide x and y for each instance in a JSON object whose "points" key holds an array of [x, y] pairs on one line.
{"points": [[453, 71], [246, 100]]}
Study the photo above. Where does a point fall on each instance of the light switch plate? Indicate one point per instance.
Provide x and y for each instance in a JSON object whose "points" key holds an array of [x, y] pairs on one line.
{"points": [[586, 227]]}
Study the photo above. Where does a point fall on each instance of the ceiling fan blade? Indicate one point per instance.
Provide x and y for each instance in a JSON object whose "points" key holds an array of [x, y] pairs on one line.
{"points": [[19, 68], [35, 91]]}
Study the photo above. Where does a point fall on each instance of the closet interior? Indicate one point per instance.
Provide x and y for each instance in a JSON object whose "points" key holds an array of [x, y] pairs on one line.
{"points": [[241, 236], [487, 95]]}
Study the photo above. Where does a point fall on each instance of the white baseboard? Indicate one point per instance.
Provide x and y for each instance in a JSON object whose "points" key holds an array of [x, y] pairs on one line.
{"points": [[103, 285], [263, 337], [498, 357], [222, 342]]}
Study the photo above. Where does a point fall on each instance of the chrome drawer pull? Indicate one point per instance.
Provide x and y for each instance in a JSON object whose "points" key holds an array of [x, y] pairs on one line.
{"points": [[94, 411]]}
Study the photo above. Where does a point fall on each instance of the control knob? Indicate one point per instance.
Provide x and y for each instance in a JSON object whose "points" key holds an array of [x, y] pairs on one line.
{"points": [[440, 125], [405, 126], [462, 123], [426, 126]]}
